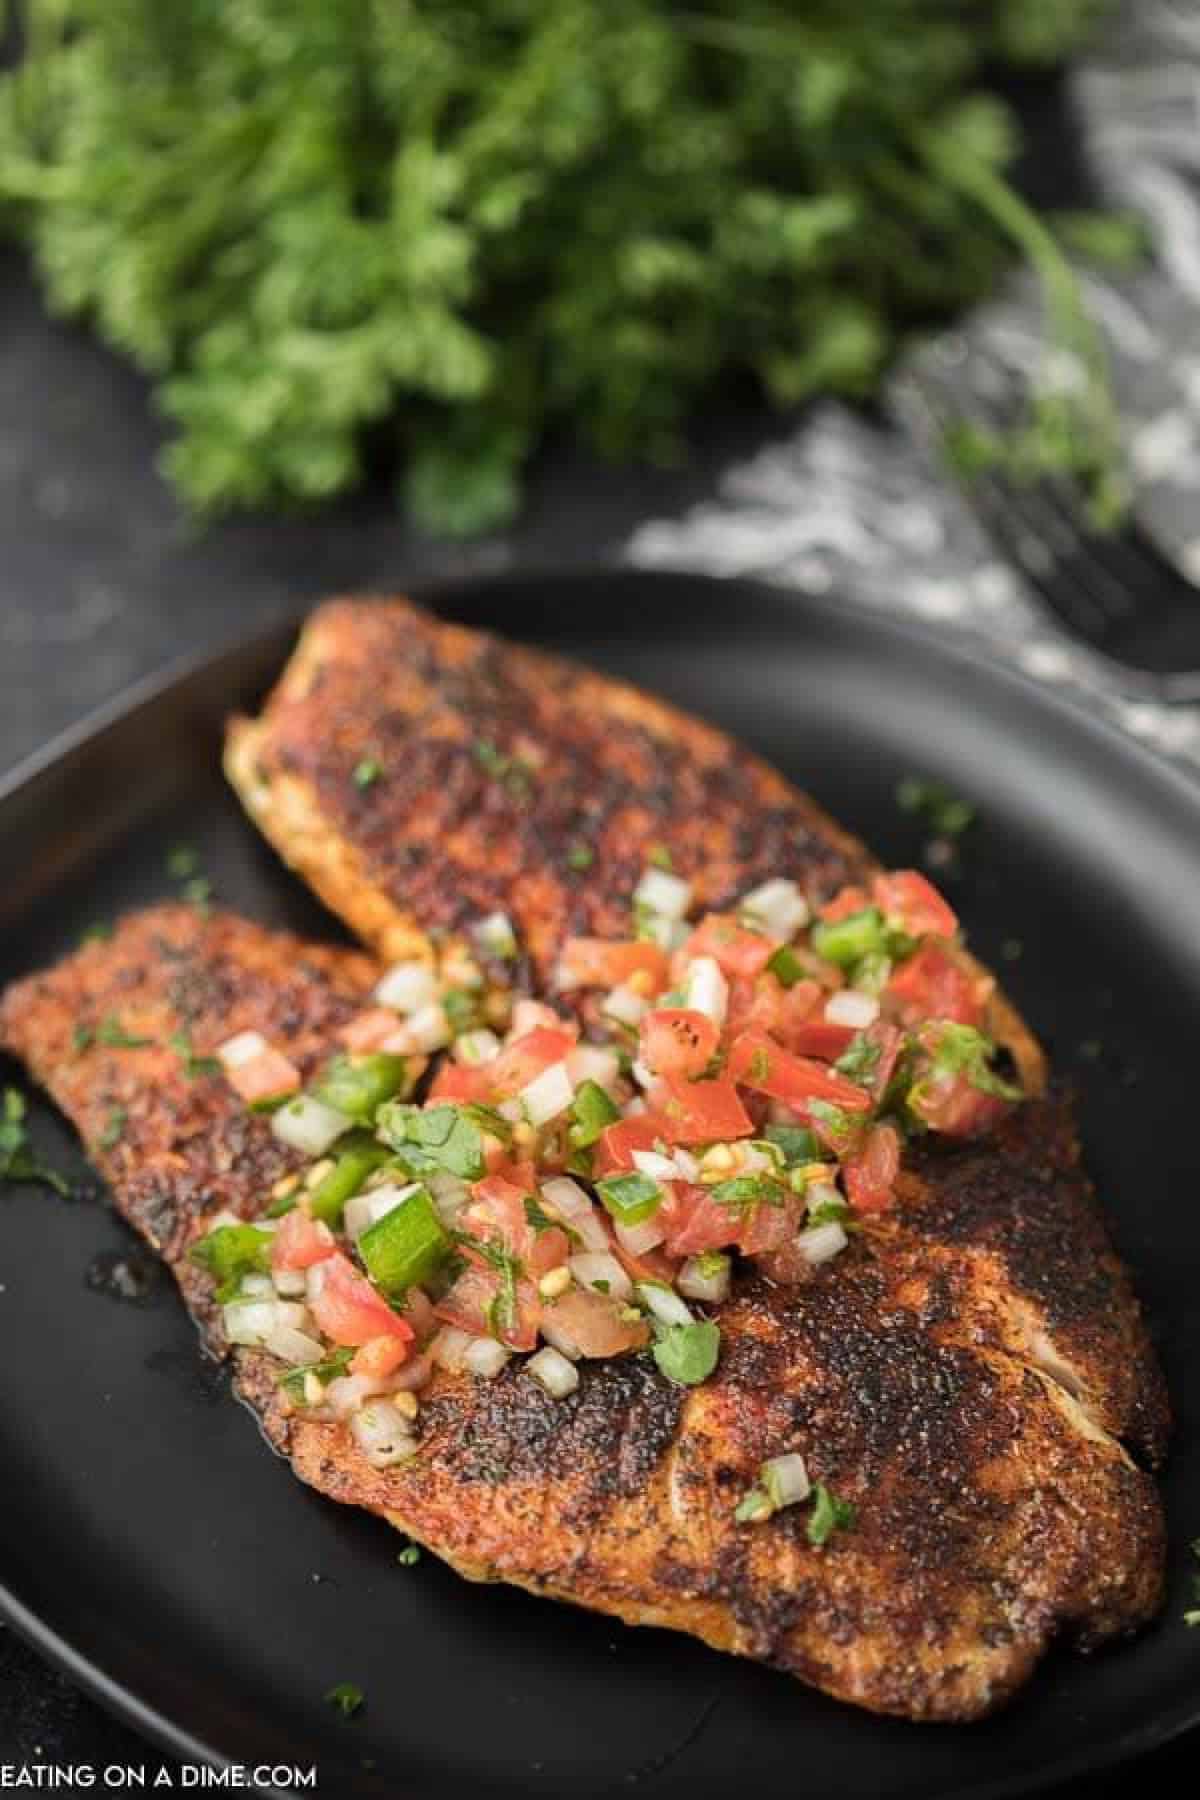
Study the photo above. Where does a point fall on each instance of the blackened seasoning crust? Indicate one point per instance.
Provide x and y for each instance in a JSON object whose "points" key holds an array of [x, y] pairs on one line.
{"points": [[941, 1375]]}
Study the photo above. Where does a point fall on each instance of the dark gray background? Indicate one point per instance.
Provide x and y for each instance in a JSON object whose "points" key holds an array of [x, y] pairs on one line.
{"points": [[102, 582]]}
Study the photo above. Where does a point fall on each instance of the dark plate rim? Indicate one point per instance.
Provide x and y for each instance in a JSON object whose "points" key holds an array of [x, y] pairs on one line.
{"points": [[1152, 765]]}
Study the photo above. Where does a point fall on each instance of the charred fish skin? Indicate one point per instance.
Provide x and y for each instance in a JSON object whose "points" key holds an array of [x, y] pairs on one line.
{"points": [[996, 1508]]}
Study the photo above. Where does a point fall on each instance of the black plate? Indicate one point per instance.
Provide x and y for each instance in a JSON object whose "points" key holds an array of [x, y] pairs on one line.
{"points": [[148, 1540]]}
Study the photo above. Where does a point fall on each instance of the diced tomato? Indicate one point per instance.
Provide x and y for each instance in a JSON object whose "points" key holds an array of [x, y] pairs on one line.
{"points": [[300, 1242], [267, 1076], [767, 1004], [601, 962], [470, 1305], [845, 904], [906, 899], [368, 1030], [695, 1222], [379, 1357], [870, 1171], [642, 1265], [676, 1040], [696, 1112], [758, 1062], [614, 1152], [498, 1211], [766, 1228], [457, 1081], [594, 1323], [889, 1040], [931, 984], [738, 951], [949, 1104], [817, 1037], [348, 1309], [524, 1059]]}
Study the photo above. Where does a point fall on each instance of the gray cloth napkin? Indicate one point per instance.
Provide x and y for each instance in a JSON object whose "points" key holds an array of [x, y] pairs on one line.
{"points": [[870, 514]]}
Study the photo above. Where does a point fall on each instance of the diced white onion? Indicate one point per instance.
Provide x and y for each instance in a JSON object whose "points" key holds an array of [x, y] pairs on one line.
{"points": [[687, 1164], [448, 1347], [664, 1303], [659, 1168], [633, 1107], [383, 1434], [346, 1393], [256, 1287], [558, 1376], [706, 989], [292, 1284], [366, 1209], [821, 1193], [531, 1015], [484, 1356], [643, 1074], [307, 1124], [590, 1062], [785, 1479], [475, 1047], [623, 1005], [407, 987], [661, 892], [295, 1347], [495, 935], [821, 1243], [777, 907], [548, 1094], [293, 1313], [426, 1031], [849, 1007], [450, 1195], [591, 1268], [250, 1321], [243, 1048], [566, 1196], [698, 1284], [640, 1238], [511, 1110]]}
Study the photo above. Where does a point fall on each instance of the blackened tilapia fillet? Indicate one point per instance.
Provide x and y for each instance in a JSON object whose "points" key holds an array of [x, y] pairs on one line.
{"points": [[962, 1373]]}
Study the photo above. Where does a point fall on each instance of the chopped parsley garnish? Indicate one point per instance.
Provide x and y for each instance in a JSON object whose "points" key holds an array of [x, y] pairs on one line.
{"points": [[829, 1514], [347, 1698], [786, 966], [114, 1128], [580, 856], [183, 860], [113, 1034], [688, 1354], [944, 812], [193, 1065], [367, 772], [17, 1159]]}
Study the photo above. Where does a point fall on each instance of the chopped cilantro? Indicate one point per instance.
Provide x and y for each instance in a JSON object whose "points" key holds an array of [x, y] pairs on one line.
{"points": [[754, 1505], [841, 1127], [198, 892], [511, 771], [580, 856], [232, 1251], [935, 806], [859, 1059], [831, 1212], [112, 1033], [81, 1038], [193, 1065], [798, 1144], [410, 1554], [829, 1514], [749, 1190], [337, 1363], [347, 1698], [961, 1050], [17, 1159], [688, 1354], [660, 856], [367, 772], [441, 1137], [96, 933], [461, 1007]]}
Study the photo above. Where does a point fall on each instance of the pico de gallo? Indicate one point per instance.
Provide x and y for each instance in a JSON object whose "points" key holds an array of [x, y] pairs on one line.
{"points": [[580, 1180]]}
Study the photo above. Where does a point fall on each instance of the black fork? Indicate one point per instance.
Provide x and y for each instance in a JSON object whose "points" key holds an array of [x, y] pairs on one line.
{"points": [[1113, 588]]}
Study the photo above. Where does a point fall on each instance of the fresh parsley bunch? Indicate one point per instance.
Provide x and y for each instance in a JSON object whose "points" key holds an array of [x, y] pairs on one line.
{"points": [[445, 228]]}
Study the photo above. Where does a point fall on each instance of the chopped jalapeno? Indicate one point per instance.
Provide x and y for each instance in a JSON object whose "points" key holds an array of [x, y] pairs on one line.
{"points": [[846, 941], [630, 1198], [359, 1086], [786, 966], [359, 1157], [593, 1111], [404, 1248]]}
